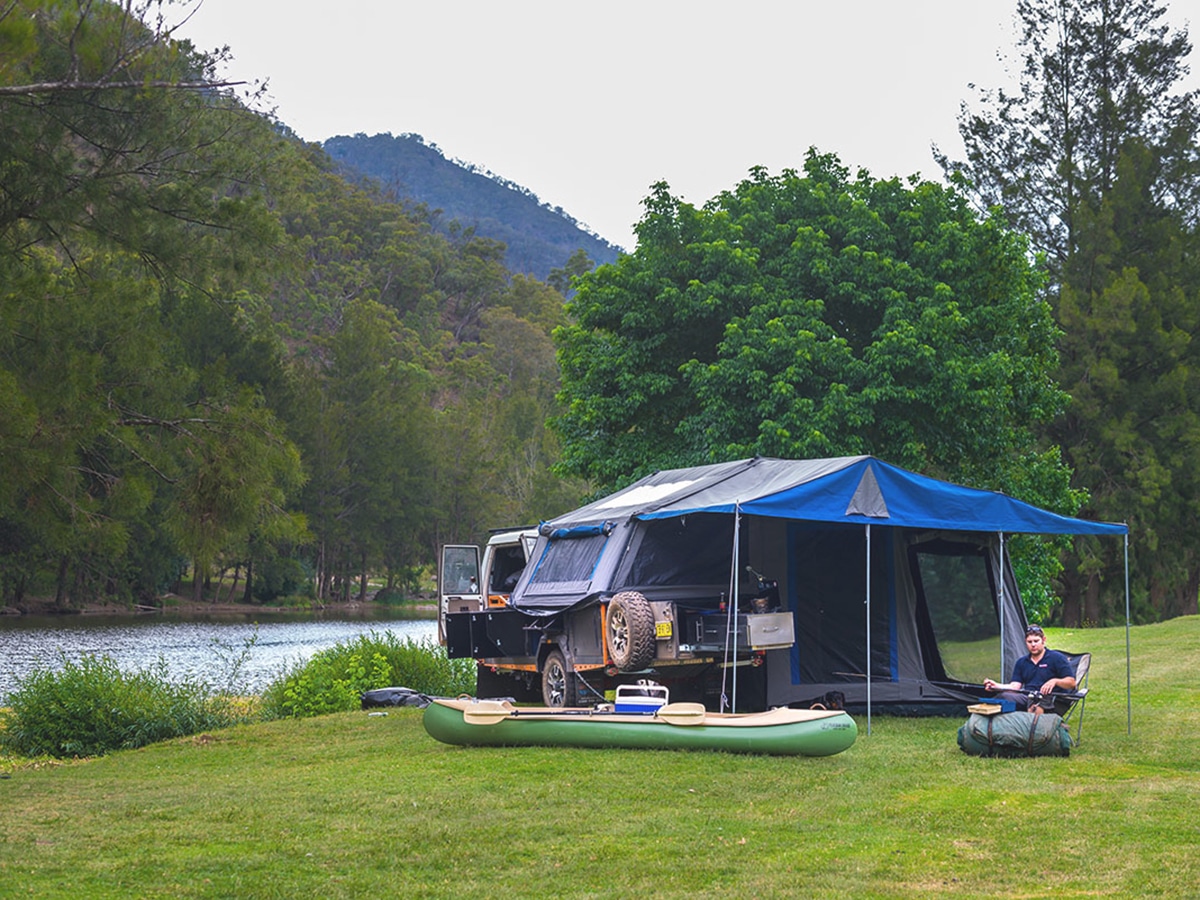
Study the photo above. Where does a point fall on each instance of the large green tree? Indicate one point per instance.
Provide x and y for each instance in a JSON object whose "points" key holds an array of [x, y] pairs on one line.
{"points": [[813, 314], [819, 314], [1096, 157]]}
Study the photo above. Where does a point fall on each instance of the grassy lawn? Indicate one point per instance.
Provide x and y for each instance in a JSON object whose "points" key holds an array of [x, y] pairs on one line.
{"points": [[354, 805]]}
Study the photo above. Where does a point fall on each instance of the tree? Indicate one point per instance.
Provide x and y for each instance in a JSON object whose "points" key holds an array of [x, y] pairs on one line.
{"points": [[236, 487], [562, 280], [812, 315], [133, 233], [1094, 74], [1096, 157], [102, 44]]}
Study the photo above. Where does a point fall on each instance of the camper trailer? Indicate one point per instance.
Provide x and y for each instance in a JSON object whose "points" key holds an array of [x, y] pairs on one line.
{"points": [[764, 582]]}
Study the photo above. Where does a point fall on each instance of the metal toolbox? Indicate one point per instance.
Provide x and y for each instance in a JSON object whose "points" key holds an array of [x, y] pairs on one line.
{"points": [[756, 631], [768, 631]]}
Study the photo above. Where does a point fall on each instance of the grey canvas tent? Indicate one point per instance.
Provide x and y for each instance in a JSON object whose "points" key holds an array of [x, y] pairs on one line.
{"points": [[898, 584]]}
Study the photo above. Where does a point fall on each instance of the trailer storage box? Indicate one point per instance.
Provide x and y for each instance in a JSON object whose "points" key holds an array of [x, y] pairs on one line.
{"points": [[767, 631]]}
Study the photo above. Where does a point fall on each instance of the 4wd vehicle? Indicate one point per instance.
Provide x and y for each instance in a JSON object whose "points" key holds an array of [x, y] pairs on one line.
{"points": [[574, 646]]}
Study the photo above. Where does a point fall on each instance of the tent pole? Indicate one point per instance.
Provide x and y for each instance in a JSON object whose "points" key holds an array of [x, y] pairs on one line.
{"points": [[731, 614], [733, 597], [1000, 579], [1128, 672], [868, 576]]}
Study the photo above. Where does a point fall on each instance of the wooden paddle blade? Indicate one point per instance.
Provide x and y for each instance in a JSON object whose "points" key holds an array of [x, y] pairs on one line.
{"points": [[682, 713], [487, 712], [484, 717]]}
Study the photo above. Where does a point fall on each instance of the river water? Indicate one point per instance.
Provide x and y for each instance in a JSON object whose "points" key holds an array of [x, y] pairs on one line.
{"points": [[258, 646]]}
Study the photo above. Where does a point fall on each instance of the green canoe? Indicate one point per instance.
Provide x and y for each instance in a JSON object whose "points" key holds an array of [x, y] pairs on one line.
{"points": [[677, 726]]}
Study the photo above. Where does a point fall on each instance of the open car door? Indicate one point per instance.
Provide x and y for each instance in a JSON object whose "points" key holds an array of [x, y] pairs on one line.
{"points": [[458, 584]]}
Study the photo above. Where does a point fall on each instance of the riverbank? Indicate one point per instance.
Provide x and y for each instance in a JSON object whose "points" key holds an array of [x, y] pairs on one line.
{"points": [[176, 604], [252, 645]]}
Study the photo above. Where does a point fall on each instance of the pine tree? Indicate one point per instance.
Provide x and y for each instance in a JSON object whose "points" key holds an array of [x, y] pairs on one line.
{"points": [[1096, 158]]}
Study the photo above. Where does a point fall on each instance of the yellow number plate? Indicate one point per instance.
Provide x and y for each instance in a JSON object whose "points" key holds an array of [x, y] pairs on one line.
{"points": [[662, 629]]}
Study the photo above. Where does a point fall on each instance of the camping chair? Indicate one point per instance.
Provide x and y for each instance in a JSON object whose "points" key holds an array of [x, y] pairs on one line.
{"points": [[1065, 705]]}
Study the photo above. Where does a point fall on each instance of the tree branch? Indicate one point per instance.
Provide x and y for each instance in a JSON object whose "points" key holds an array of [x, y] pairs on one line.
{"points": [[53, 87]]}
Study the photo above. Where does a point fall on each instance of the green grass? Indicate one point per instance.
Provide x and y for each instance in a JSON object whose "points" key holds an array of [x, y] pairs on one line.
{"points": [[352, 805]]}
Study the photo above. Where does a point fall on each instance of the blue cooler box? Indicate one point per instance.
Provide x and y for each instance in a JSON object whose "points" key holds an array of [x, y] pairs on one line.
{"points": [[643, 697]]}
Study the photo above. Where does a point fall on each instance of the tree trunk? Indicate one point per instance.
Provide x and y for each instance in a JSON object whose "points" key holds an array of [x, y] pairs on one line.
{"points": [[362, 577], [197, 583], [1071, 590], [248, 595], [322, 573], [237, 576], [1091, 602], [60, 589]]}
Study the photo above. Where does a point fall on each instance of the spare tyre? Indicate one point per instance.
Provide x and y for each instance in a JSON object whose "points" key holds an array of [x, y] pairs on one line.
{"points": [[629, 627]]}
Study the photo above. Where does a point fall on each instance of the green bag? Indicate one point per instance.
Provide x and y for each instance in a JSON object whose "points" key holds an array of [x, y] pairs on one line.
{"points": [[1015, 734]]}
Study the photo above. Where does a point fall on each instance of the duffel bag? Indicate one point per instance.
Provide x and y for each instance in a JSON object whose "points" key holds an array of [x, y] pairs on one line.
{"points": [[1015, 734]]}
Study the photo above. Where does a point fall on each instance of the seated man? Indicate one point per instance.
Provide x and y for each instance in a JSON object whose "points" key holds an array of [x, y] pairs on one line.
{"points": [[1042, 671]]}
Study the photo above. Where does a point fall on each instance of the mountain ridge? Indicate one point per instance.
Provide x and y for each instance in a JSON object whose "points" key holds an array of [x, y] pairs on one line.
{"points": [[538, 237]]}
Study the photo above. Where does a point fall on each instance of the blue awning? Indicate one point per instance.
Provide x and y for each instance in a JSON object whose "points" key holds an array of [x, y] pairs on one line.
{"points": [[852, 490]]}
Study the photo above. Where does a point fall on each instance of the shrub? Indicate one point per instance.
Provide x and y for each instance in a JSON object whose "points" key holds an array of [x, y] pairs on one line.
{"points": [[333, 679], [91, 707], [390, 596], [281, 576]]}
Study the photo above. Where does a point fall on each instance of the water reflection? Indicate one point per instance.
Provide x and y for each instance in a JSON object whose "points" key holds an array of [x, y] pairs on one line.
{"points": [[204, 647]]}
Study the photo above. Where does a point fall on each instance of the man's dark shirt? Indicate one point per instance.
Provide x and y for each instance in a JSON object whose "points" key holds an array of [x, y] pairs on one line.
{"points": [[1033, 675]]}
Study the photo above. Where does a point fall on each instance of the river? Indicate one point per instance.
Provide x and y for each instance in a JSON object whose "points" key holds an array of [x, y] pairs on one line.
{"points": [[200, 647]]}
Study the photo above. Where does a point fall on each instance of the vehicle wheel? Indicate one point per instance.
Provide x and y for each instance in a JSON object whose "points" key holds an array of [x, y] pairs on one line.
{"points": [[558, 682], [630, 629]]}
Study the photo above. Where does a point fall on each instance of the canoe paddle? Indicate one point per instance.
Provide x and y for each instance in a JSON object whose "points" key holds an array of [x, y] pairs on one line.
{"points": [[682, 713], [672, 714]]}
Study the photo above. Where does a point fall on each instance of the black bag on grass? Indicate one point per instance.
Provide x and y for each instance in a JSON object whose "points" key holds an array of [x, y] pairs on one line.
{"points": [[393, 696], [1015, 734]]}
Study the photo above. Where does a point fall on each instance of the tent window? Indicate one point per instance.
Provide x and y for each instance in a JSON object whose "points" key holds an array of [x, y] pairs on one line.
{"points": [[687, 550], [568, 562], [962, 610]]}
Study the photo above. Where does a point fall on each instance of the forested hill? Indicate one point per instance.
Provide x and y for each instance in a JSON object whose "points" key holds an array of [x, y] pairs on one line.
{"points": [[539, 238]]}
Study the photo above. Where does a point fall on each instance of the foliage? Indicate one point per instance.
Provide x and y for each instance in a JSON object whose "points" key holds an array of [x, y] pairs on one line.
{"points": [[333, 679], [131, 361], [91, 707], [810, 315], [280, 576], [901, 814], [216, 351], [1095, 158], [329, 682]]}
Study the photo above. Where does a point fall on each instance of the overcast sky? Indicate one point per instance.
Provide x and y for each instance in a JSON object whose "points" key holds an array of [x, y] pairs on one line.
{"points": [[589, 103]]}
